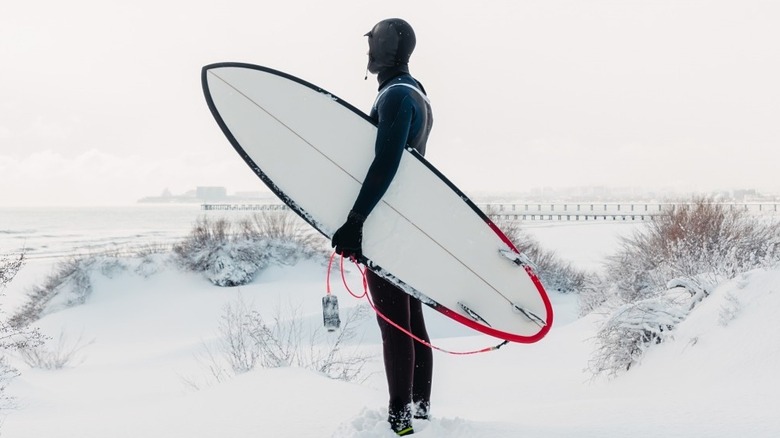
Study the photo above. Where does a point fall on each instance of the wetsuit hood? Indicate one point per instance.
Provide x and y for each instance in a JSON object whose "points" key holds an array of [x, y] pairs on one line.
{"points": [[390, 45]]}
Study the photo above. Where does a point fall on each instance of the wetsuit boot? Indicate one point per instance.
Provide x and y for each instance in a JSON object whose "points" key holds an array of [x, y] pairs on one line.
{"points": [[422, 410], [401, 420]]}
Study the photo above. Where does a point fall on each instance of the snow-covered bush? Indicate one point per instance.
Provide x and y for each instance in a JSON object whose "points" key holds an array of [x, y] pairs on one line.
{"points": [[231, 254], [248, 341], [633, 328], [554, 273], [672, 264], [226, 257]]}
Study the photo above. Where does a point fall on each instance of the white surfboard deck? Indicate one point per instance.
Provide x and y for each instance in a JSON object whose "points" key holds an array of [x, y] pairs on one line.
{"points": [[313, 150]]}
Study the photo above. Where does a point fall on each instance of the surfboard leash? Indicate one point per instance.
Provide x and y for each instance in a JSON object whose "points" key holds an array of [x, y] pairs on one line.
{"points": [[367, 296]]}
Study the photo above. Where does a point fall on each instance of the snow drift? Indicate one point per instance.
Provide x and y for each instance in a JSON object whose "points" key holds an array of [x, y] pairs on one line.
{"points": [[715, 376]]}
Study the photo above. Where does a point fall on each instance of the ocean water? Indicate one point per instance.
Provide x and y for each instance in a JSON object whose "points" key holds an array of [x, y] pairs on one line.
{"points": [[50, 232], [56, 232]]}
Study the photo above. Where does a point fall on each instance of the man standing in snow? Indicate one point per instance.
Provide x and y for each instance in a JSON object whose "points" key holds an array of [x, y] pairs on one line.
{"points": [[403, 116]]}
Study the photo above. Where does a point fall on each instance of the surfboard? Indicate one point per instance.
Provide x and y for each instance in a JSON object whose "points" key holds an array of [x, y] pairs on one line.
{"points": [[313, 150]]}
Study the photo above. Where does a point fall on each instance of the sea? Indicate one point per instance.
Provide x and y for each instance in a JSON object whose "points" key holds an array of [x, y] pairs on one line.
{"points": [[62, 232], [54, 232]]}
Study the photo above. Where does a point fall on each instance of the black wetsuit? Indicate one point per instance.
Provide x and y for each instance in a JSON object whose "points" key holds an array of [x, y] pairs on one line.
{"points": [[404, 118]]}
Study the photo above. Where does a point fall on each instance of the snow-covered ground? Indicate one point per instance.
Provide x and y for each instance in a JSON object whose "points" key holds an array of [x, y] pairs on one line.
{"points": [[142, 338]]}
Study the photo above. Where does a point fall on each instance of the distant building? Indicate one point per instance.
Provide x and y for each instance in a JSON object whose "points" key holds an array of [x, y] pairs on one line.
{"points": [[206, 193]]}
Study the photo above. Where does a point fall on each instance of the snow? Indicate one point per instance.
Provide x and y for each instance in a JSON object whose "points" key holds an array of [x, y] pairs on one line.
{"points": [[142, 334]]}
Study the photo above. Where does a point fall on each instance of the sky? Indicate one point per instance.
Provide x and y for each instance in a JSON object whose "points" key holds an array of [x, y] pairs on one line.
{"points": [[101, 102]]}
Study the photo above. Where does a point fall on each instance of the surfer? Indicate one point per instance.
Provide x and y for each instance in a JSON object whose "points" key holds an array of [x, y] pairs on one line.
{"points": [[403, 116]]}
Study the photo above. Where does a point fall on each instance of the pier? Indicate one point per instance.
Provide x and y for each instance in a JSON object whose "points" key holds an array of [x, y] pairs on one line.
{"points": [[243, 207], [603, 211], [554, 211]]}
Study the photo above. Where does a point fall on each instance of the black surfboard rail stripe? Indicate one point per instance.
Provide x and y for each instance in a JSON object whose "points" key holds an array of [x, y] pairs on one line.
{"points": [[300, 211]]}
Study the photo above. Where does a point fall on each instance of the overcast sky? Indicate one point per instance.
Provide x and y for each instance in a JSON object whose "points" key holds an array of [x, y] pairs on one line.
{"points": [[100, 101]]}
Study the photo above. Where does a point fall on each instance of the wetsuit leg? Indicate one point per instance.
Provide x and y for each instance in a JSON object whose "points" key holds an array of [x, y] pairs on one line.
{"points": [[408, 364], [423, 361]]}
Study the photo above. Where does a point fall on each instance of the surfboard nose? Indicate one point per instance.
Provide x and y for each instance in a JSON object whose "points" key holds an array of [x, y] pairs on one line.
{"points": [[206, 68], [212, 68]]}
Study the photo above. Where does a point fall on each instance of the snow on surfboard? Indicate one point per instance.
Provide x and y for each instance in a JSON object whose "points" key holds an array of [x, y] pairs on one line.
{"points": [[312, 150]]}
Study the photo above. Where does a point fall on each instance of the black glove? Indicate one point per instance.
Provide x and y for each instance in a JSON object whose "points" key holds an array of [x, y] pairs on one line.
{"points": [[348, 240]]}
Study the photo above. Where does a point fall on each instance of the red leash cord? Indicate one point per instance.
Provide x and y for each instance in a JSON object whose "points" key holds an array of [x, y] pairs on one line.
{"points": [[388, 320]]}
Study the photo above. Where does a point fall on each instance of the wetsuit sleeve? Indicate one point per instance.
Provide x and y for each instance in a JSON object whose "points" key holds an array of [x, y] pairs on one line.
{"points": [[394, 122]]}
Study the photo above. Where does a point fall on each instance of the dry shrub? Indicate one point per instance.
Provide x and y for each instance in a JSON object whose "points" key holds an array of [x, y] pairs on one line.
{"points": [[12, 337], [282, 226], [206, 233], [9, 268], [699, 240], [70, 276], [248, 341], [54, 357], [69, 285]]}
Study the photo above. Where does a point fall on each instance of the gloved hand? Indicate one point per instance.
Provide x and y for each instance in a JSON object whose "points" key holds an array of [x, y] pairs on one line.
{"points": [[348, 240]]}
